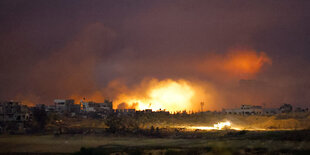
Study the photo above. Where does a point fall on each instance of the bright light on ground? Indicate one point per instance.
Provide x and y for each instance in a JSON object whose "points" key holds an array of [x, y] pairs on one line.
{"points": [[217, 126]]}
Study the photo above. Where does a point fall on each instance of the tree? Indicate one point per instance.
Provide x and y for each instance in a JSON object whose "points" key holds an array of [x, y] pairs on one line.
{"points": [[286, 108], [122, 123], [113, 122]]}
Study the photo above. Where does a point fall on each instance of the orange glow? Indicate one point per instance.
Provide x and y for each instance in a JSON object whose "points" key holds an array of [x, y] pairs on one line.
{"points": [[96, 96], [167, 95], [28, 103], [235, 63], [245, 62]]}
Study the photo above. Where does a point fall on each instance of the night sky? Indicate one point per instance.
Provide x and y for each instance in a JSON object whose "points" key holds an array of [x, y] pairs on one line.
{"points": [[55, 49]]}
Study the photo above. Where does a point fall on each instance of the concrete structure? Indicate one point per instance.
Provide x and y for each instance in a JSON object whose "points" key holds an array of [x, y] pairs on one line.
{"points": [[106, 106], [125, 111], [148, 111], [50, 108], [14, 111], [151, 112], [66, 106]]}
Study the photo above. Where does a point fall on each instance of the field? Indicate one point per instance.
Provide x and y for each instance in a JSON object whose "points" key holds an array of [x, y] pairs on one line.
{"points": [[291, 121], [213, 142], [166, 134]]}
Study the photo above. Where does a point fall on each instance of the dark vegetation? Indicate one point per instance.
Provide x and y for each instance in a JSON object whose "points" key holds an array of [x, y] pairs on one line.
{"points": [[119, 149], [159, 125]]}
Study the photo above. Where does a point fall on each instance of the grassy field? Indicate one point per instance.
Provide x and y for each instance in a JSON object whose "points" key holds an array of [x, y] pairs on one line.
{"points": [[249, 143]]}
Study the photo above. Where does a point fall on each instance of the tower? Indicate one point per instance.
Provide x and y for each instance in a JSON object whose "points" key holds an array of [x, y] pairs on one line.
{"points": [[201, 106]]}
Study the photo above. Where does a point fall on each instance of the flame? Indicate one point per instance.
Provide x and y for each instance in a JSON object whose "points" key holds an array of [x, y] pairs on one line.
{"points": [[167, 95], [222, 125], [217, 126]]}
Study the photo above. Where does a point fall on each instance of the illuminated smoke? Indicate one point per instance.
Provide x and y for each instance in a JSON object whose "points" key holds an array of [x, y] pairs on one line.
{"points": [[235, 64], [126, 106]]}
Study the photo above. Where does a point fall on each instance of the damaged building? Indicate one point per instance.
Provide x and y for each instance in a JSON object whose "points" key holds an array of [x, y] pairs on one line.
{"points": [[96, 109], [13, 116], [13, 111], [65, 106]]}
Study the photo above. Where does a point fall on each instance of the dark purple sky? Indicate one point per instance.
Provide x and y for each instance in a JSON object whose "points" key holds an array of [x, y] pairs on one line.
{"points": [[53, 49]]}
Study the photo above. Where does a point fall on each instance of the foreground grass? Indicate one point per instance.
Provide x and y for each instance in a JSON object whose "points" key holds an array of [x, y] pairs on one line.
{"points": [[110, 144]]}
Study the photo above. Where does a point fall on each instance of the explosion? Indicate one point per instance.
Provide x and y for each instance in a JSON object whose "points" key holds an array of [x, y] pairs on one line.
{"points": [[167, 95]]}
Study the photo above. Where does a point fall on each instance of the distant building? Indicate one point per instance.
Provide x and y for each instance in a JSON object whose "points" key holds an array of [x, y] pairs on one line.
{"points": [[148, 111], [151, 112], [271, 111], [298, 110], [66, 106], [125, 111], [14, 111], [50, 108], [245, 110], [162, 112], [145, 111], [106, 106]]}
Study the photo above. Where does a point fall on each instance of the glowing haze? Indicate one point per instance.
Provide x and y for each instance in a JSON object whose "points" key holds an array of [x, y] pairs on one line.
{"points": [[237, 63], [178, 95], [243, 62]]}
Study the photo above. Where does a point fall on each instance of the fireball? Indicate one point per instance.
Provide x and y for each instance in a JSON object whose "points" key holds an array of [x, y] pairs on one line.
{"points": [[172, 96], [167, 95]]}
